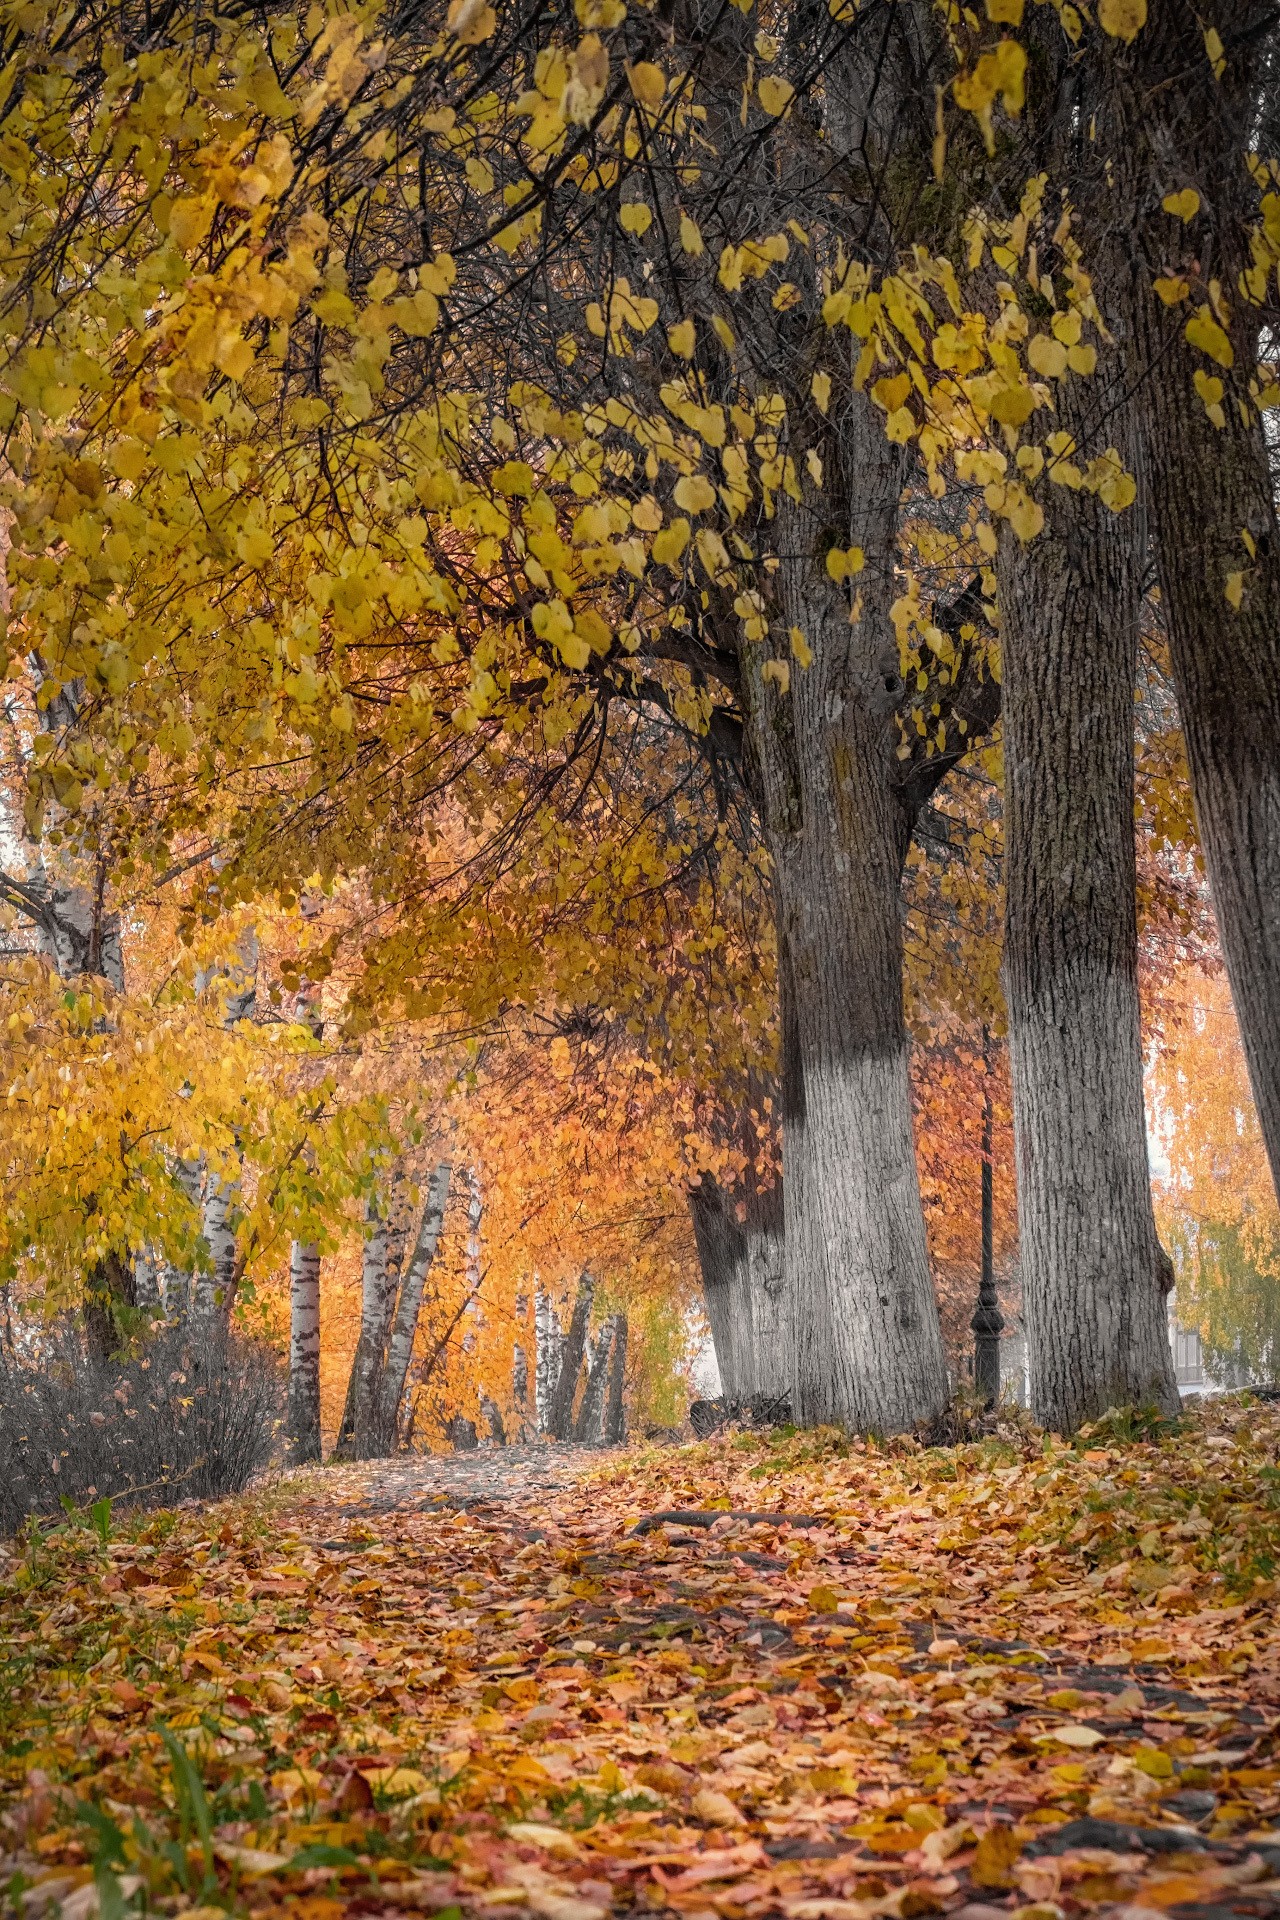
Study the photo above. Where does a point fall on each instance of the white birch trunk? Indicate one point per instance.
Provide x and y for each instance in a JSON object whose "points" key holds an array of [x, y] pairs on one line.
{"points": [[304, 1353], [404, 1327], [549, 1346], [366, 1366]]}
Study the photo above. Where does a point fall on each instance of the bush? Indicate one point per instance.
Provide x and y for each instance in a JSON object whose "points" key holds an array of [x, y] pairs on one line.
{"points": [[167, 1420]]}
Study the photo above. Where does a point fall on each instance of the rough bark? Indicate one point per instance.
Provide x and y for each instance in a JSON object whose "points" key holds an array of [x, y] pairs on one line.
{"points": [[589, 1427], [868, 1348], [1211, 485], [615, 1414], [408, 1310], [743, 1283], [722, 1261], [1093, 1305], [356, 1431], [304, 1353], [560, 1410]]}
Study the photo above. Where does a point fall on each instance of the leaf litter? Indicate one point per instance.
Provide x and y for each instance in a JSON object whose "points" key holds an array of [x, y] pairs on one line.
{"points": [[784, 1674]]}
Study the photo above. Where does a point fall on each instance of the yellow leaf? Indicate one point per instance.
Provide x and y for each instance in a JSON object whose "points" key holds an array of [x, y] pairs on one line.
{"points": [[695, 493], [775, 94], [996, 1852], [636, 217], [1122, 19], [682, 339], [1233, 592], [646, 514], [1183, 206], [844, 562], [822, 1599], [1047, 356], [777, 671], [1171, 288], [1076, 1735], [648, 84], [1203, 331], [1214, 48], [803, 652], [671, 543], [471, 21], [690, 235], [820, 388], [716, 1808], [1006, 13]]}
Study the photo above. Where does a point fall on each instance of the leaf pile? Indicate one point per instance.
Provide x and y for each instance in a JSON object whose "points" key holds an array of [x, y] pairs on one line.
{"points": [[1009, 1677]]}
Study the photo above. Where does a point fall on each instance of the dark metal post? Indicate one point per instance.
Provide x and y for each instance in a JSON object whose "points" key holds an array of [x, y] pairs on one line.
{"points": [[987, 1322]]}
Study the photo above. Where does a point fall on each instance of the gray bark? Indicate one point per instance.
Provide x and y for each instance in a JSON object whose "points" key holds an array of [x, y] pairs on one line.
{"points": [[1211, 485], [615, 1415], [743, 1284], [868, 1347], [590, 1423], [304, 1353], [560, 1410], [1093, 1304], [408, 1309]]}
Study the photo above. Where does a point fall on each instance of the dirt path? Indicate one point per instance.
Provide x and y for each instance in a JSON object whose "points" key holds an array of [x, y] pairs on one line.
{"points": [[886, 1689]]}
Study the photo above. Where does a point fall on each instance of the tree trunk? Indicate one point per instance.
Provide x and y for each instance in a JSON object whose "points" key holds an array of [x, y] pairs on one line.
{"points": [[743, 1284], [1092, 1301], [1212, 487], [213, 1289], [404, 1328], [722, 1258], [560, 1412], [304, 1353], [548, 1349], [590, 1423], [615, 1417], [354, 1435], [868, 1347]]}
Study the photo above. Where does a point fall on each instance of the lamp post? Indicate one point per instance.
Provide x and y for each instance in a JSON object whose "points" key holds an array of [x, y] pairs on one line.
{"points": [[987, 1322]]}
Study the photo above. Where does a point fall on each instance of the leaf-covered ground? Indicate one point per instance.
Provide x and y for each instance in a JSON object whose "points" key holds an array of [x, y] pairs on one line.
{"points": [[1011, 1677]]}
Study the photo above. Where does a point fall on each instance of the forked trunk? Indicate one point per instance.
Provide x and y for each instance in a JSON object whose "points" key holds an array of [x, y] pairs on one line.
{"points": [[560, 1412], [1093, 1303], [408, 1310], [304, 1353], [590, 1423]]}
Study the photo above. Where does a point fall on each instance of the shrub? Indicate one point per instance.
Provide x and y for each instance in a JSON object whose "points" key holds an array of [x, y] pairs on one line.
{"points": [[169, 1419]]}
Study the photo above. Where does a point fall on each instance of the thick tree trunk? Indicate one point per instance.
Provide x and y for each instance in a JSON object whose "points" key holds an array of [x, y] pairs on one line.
{"points": [[615, 1415], [1212, 487], [404, 1328], [868, 1347], [304, 1353], [560, 1412], [1093, 1303], [355, 1433]]}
